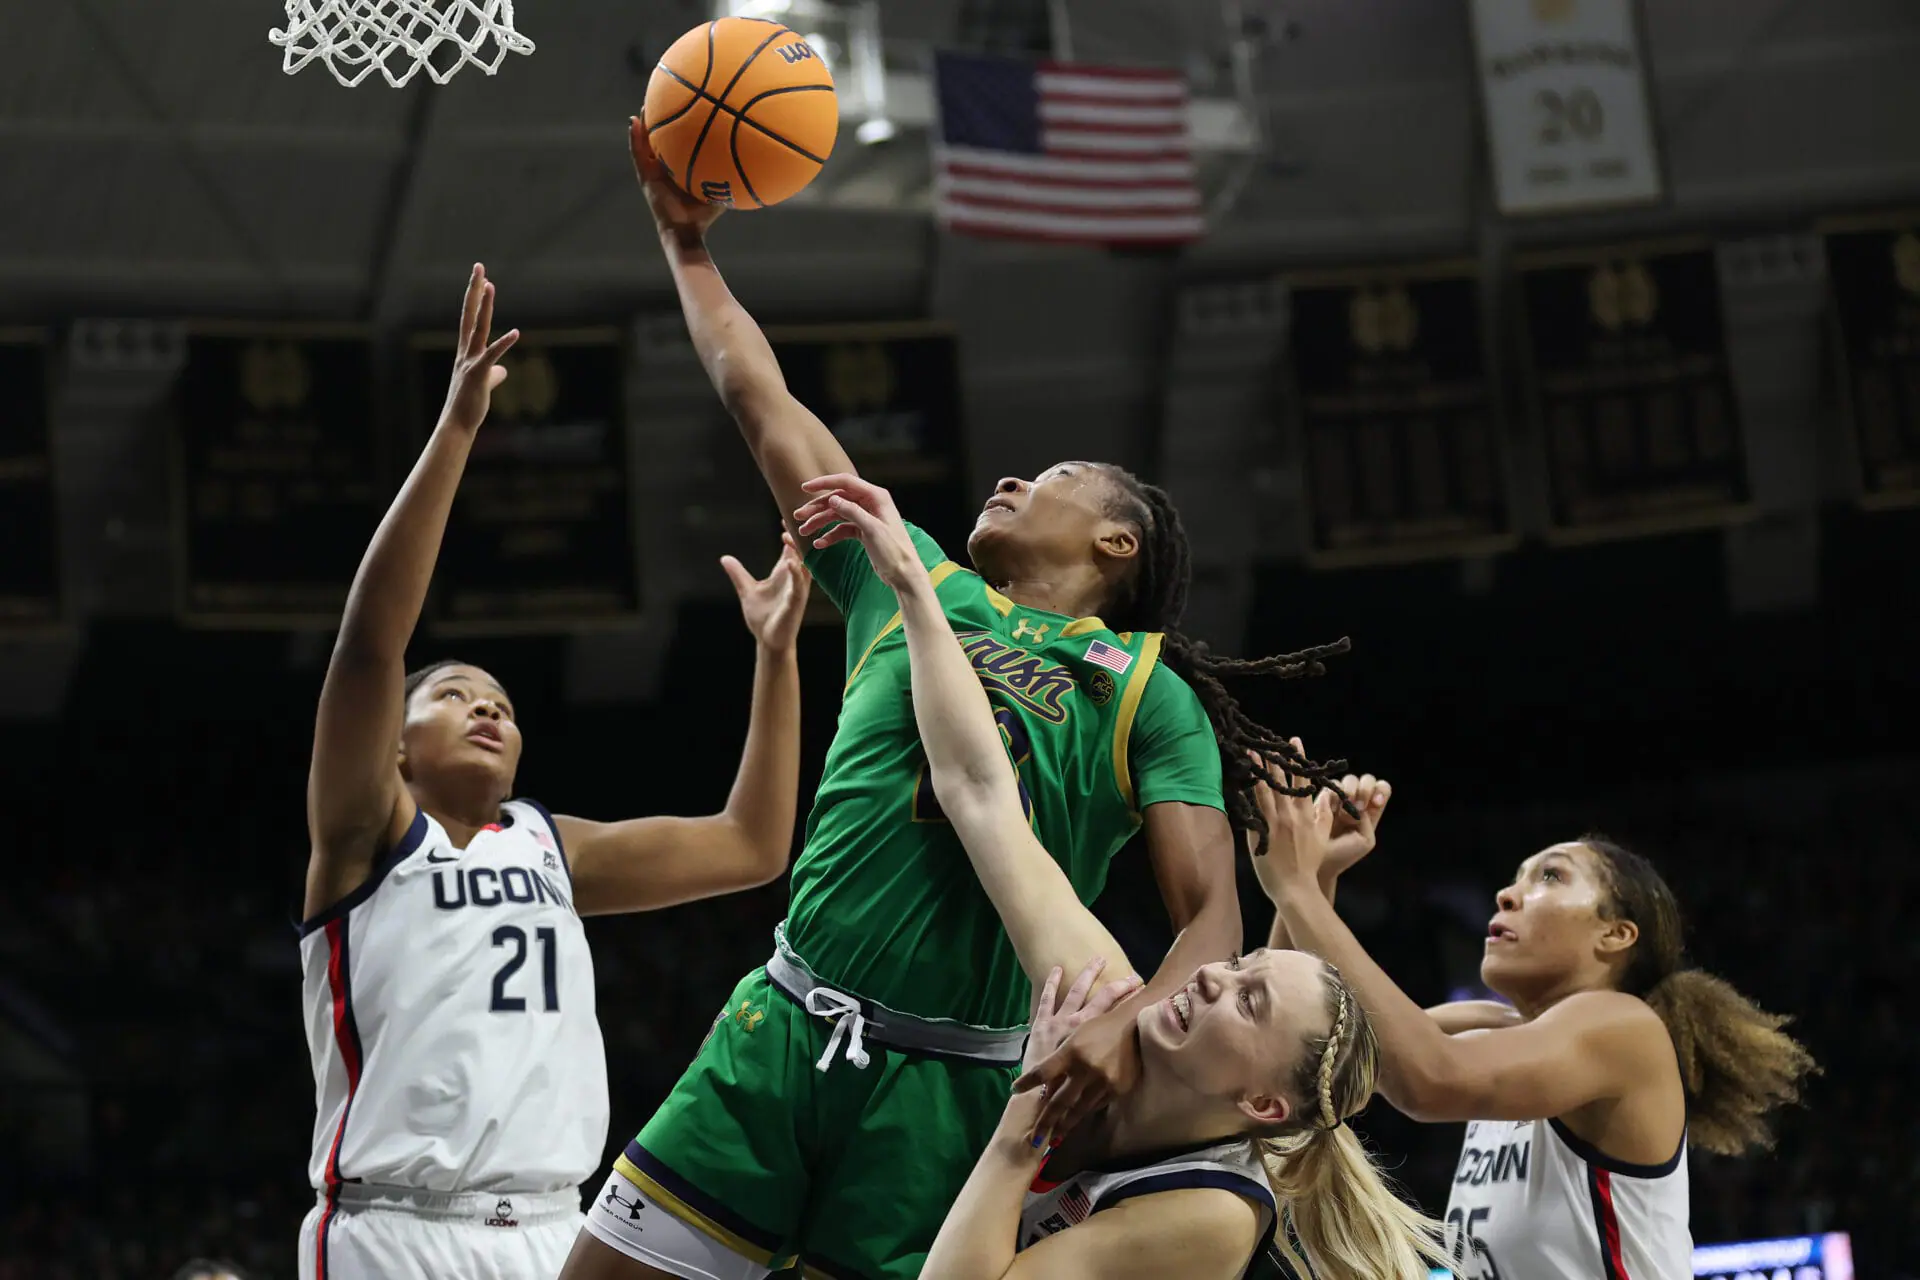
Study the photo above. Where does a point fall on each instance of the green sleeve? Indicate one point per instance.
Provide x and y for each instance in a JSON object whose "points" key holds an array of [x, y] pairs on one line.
{"points": [[1173, 753], [843, 572]]}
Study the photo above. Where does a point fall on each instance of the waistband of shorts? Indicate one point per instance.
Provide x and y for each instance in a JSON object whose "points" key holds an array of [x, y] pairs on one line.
{"points": [[481, 1208], [998, 1046]]}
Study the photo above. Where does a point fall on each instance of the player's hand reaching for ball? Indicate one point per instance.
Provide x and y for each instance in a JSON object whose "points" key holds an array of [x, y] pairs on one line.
{"points": [[772, 606], [674, 210], [476, 362], [865, 511]]}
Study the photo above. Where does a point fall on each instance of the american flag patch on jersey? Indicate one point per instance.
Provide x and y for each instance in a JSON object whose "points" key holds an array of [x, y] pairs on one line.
{"points": [[1106, 655], [1074, 1206]]}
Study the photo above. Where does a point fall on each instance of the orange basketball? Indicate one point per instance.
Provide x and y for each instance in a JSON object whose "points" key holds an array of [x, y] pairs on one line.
{"points": [[742, 112]]}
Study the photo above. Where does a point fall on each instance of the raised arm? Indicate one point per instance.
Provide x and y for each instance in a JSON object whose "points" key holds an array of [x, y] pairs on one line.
{"points": [[789, 444], [645, 863], [1589, 1047], [356, 802], [973, 777]]}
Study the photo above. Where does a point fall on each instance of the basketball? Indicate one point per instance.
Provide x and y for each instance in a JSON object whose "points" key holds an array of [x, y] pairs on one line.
{"points": [[742, 112]]}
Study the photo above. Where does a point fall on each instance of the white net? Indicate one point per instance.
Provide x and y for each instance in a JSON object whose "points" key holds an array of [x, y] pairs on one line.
{"points": [[398, 37]]}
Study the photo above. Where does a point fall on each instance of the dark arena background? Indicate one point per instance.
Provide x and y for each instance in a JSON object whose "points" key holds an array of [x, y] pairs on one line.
{"points": [[1590, 411]]}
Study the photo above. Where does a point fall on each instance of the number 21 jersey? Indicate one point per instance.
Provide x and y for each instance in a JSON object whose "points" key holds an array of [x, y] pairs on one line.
{"points": [[450, 1017]]}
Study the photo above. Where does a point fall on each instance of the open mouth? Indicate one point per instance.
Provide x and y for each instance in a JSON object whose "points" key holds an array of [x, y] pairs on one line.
{"points": [[487, 735], [1182, 1005], [999, 503], [1497, 932]]}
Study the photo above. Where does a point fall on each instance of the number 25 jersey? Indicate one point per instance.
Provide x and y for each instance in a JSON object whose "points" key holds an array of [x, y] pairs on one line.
{"points": [[450, 1017], [1531, 1201]]}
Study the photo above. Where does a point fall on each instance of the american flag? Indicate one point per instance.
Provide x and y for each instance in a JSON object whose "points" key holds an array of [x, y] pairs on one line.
{"points": [[1060, 151], [1115, 660]]}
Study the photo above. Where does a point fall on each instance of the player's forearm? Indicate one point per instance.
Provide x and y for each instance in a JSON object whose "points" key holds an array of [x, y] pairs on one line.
{"points": [[964, 749], [1278, 938], [1410, 1040], [736, 355], [766, 788], [977, 1240], [390, 588], [1212, 934]]}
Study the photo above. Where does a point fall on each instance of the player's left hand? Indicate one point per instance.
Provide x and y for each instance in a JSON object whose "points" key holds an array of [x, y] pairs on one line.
{"points": [[1082, 1055], [773, 605]]}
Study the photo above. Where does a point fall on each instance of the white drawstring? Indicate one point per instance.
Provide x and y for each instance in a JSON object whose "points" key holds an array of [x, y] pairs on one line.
{"points": [[848, 1021]]}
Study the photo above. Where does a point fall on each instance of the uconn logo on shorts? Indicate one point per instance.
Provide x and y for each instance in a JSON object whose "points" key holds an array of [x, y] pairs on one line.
{"points": [[486, 887]]}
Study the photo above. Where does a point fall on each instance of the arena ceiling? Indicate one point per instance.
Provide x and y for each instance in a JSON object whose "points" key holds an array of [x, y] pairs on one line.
{"points": [[157, 161]]}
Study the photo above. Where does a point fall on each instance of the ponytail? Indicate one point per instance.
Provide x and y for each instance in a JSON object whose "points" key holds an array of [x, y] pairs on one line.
{"points": [[1736, 1063], [1344, 1214], [1333, 1199]]}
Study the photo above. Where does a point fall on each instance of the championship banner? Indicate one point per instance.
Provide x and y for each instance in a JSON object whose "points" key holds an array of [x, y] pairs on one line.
{"points": [[541, 534], [1874, 269], [276, 472], [1563, 93], [890, 393], [30, 568], [1403, 458], [1628, 381]]}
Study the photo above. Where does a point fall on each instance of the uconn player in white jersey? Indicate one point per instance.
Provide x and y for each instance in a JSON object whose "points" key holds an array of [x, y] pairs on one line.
{"points": [[1583, 1098], [1247, 1075], [459, 1074]]}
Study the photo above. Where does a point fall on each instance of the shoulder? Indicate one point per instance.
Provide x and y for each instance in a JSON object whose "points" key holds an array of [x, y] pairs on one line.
{"points": [[1609, 1021], [1166, 691]]}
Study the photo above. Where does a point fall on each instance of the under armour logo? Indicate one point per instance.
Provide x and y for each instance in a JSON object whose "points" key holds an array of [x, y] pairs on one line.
{"points": [[633, 1206], [1028, 629]]}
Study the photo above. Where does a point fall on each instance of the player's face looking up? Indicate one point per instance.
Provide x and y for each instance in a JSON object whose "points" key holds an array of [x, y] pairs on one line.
{"points": [[1235, 1033], [460, 725], [1552, 932], [1062, 518]]}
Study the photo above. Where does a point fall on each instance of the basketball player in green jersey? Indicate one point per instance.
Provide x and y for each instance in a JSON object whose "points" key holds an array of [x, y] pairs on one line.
{"points": [[846, 1087]]}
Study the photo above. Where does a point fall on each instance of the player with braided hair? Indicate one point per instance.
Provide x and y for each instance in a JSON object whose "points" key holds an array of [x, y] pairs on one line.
{"points": [[888, 1023], [1249, 1070]]}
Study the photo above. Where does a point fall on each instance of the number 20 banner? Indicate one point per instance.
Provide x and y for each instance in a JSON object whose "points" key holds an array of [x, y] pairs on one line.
{"points": [[1563, 85]]}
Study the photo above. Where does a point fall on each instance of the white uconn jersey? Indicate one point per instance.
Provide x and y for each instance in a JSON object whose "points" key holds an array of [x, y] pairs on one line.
{"points": [[1532, 1202], [1053, 1207], [450, 1017]]}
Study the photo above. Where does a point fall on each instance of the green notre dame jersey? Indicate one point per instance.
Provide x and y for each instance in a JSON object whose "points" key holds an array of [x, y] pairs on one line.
{"points": [[885, 904]]}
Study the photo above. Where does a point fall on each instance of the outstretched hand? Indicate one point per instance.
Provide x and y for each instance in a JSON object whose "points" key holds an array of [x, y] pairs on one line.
{"points": [[476, 362], [774, 605], [865, 511], [673, 209]]}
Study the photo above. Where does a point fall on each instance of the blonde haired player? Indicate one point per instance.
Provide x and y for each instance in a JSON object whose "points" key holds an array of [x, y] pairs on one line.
{"points": [[1249, 1071], [459, 1076]]}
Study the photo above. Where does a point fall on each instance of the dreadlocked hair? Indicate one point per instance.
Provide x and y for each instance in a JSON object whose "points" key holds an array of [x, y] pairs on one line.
{"points": [[1340, 1211], [1737, 1063], [1154, 600]]}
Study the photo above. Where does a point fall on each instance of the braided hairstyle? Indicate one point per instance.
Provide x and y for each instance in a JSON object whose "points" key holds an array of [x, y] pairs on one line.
{"points": [[1154, 600], [1342, 1218]]}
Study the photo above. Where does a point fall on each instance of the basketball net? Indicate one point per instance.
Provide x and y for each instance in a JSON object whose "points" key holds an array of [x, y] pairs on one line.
{"points": [[399, 37]]}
